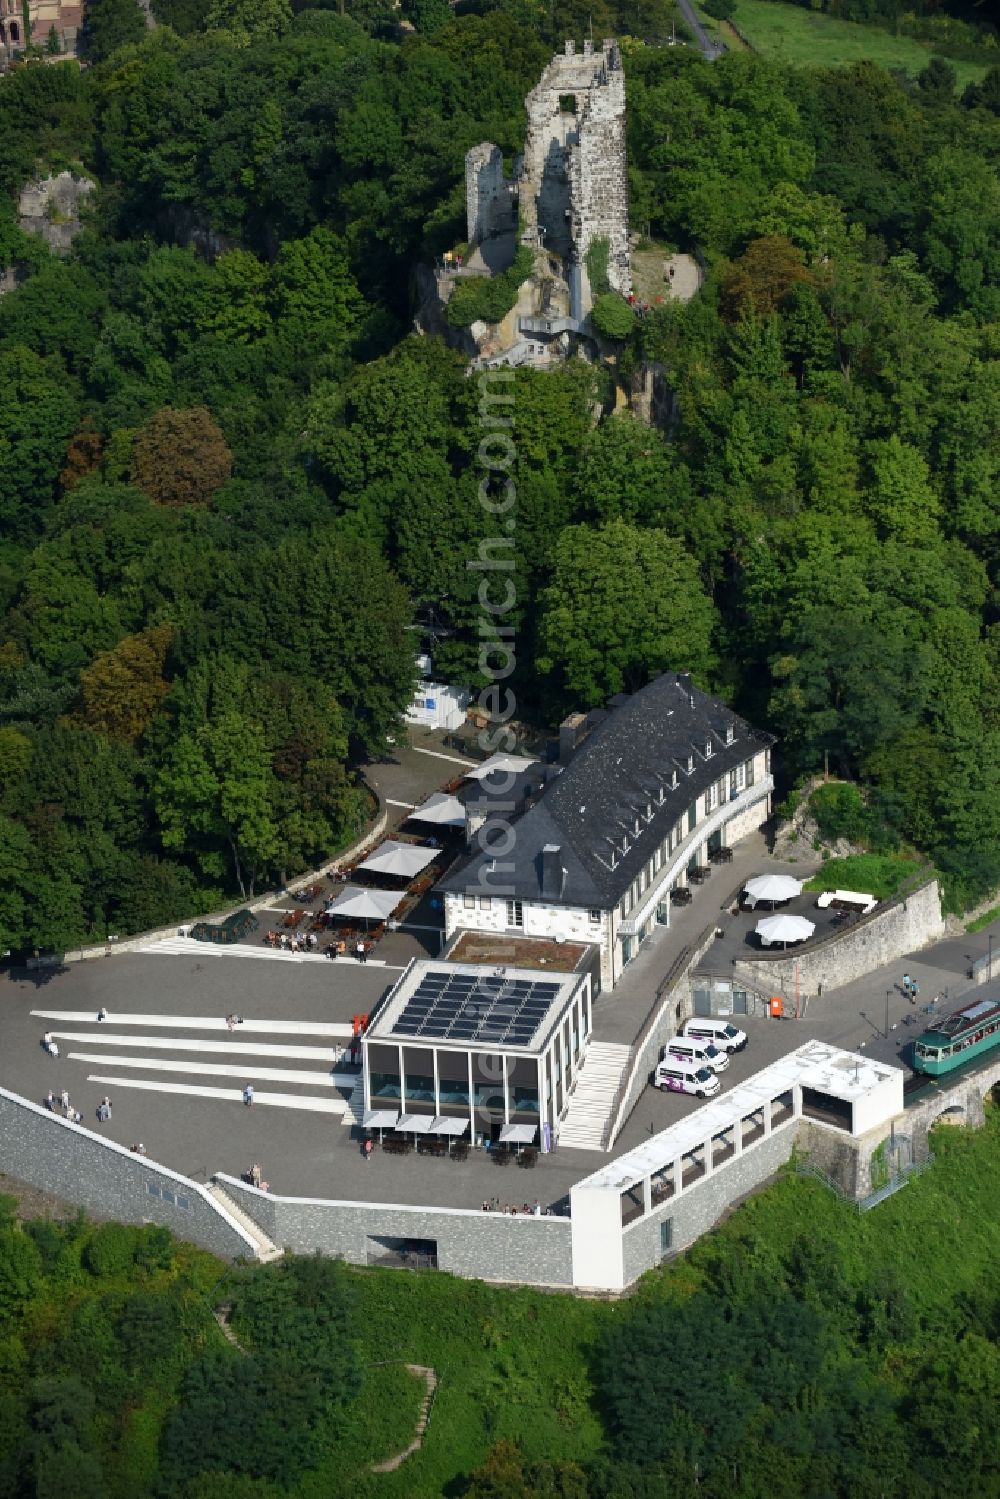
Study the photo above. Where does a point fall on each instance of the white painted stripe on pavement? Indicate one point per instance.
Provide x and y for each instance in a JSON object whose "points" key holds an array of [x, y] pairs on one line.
{"points": [[415, 926], [206, 1023], [172, 946], [224, 1048], [411, 805], [192, 1090], [437, 755], [248, 1072]]}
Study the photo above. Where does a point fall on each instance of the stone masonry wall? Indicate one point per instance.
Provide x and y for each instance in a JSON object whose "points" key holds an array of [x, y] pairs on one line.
{"points": [[488, 202], [698, 1209], [107, 1180], [888, 934], [476, 1245]]}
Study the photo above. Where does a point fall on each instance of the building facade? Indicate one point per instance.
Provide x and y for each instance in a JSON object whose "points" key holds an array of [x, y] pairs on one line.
{"points": [[43, 15], [660, 782]]}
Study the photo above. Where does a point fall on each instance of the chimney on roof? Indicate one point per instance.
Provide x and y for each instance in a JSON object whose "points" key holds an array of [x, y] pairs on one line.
{"points": [[553, 874], [684, 682], [570, 734]]}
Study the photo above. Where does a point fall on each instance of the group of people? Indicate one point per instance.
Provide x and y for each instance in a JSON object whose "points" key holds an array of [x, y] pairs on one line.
{"points": [[289, 942], [63, 1105], [255, 1178], [910, 988], [494, 1205]]}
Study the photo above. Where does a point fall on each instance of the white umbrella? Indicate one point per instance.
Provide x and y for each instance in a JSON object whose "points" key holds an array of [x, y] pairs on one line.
{"points": [[509, 764], [393, 857], [772, 887], [784, 929], [372, 905], [442, 809], [518, 1134], [380, 1119]]}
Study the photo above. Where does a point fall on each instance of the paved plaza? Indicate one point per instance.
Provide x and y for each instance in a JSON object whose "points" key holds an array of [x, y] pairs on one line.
{"points": [[175, 1070]]}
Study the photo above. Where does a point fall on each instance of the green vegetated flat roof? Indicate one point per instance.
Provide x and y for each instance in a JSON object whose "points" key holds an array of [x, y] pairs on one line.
{"points": [[810, 38]]}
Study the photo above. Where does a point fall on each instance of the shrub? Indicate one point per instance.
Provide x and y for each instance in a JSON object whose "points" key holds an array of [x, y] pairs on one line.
{"points": [[612, 316], [488, 299], [597, 257], [111, 1251], [719, 10], [839, 812]]}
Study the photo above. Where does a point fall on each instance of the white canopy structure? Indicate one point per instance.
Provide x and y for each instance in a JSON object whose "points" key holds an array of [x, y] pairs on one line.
{"points": [[518, 1134], [369, 905], [784, 929], [415, 1124], [446, 1125], [511, 764], [380, 1118], [443, 810], [772, 887], [393, 857]]}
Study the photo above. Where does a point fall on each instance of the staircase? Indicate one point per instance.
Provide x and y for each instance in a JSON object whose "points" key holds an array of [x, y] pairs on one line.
{"points": [[264, 1250], [590, 1103], [354, 1114]]}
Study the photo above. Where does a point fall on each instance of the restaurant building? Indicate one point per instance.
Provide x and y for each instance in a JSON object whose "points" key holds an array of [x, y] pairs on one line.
{"points": [[591, 849], [495, 1046]]}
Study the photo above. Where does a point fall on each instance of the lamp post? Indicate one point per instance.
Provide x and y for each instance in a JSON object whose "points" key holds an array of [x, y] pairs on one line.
{"points": [[888, 993]]}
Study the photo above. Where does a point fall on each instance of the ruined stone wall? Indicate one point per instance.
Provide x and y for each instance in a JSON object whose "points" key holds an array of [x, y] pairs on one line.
{"points": [[488, 199], [574, 185]]}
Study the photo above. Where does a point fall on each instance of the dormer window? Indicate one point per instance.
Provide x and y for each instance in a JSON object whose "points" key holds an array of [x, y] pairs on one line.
{"points": [[708, 749], [673, 781], [730, 734], [690, 764]]}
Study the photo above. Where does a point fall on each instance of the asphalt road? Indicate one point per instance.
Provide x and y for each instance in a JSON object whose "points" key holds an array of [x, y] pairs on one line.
{"points": [[709, 49]]}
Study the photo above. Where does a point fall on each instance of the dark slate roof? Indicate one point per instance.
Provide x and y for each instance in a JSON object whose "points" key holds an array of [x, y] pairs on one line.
{"points": [[618, 774]]}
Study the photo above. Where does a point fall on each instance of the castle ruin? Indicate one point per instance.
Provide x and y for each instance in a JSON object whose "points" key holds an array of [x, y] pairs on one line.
{"points": [[570, 186]]}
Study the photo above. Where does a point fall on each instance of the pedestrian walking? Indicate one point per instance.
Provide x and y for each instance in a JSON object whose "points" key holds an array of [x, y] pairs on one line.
{"points": [[49, 1045], [76, 1116], [907, 982], [64, 1098], [231, 1022], [256, 1175], [537, 1209], [248, 1095], [359, 952], [369, 1148], [104, 1110], [102, 1014], [50, 1102]]}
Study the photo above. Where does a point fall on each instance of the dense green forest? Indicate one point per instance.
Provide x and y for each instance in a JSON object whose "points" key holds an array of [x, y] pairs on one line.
{"points": [[230, 477], [801, 1352]]}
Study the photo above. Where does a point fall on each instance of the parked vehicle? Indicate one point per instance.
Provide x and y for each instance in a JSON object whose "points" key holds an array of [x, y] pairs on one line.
{"points": [[719, 1032], [677, 1076], [698, 1053]]}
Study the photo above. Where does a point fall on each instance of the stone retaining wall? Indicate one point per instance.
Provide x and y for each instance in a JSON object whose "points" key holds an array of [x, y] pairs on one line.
{"points": [[894, 929], [108, 1181], [473, 1244]]}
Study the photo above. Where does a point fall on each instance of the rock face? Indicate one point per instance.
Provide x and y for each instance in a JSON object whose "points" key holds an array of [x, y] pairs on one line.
{"points": [[50, 206], [571, 184]]}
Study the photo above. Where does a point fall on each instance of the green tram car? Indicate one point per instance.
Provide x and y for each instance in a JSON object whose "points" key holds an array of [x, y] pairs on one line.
{"points": [[968, 1033]]}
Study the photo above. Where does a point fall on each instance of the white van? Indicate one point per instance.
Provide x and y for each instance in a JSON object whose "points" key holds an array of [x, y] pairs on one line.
{"points": [[698, 1053], [719, 1032], [678, 1076]]}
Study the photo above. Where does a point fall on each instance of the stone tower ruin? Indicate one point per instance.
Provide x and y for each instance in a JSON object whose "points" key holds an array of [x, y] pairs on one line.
{"points": [[571, 185]]}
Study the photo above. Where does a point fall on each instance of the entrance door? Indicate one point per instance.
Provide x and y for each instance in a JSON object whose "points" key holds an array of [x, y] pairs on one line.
{"points": [[703, 1001], [740, 1002], [626, 949]]}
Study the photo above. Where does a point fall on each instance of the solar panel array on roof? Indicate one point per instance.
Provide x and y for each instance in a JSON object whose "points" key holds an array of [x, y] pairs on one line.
{"points": [[476, 1007]]}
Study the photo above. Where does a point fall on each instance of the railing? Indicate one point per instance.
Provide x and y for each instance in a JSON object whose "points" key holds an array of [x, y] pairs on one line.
{"points": [[676, 970], [694, 841], [864, 1204]]}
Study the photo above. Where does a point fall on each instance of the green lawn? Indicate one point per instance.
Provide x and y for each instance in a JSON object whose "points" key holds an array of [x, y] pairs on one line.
{"points": [[806, 37], [878, 874]]}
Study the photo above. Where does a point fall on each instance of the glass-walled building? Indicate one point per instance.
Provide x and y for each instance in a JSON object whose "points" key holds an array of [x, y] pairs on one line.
{"points": [[497, 1046]]}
